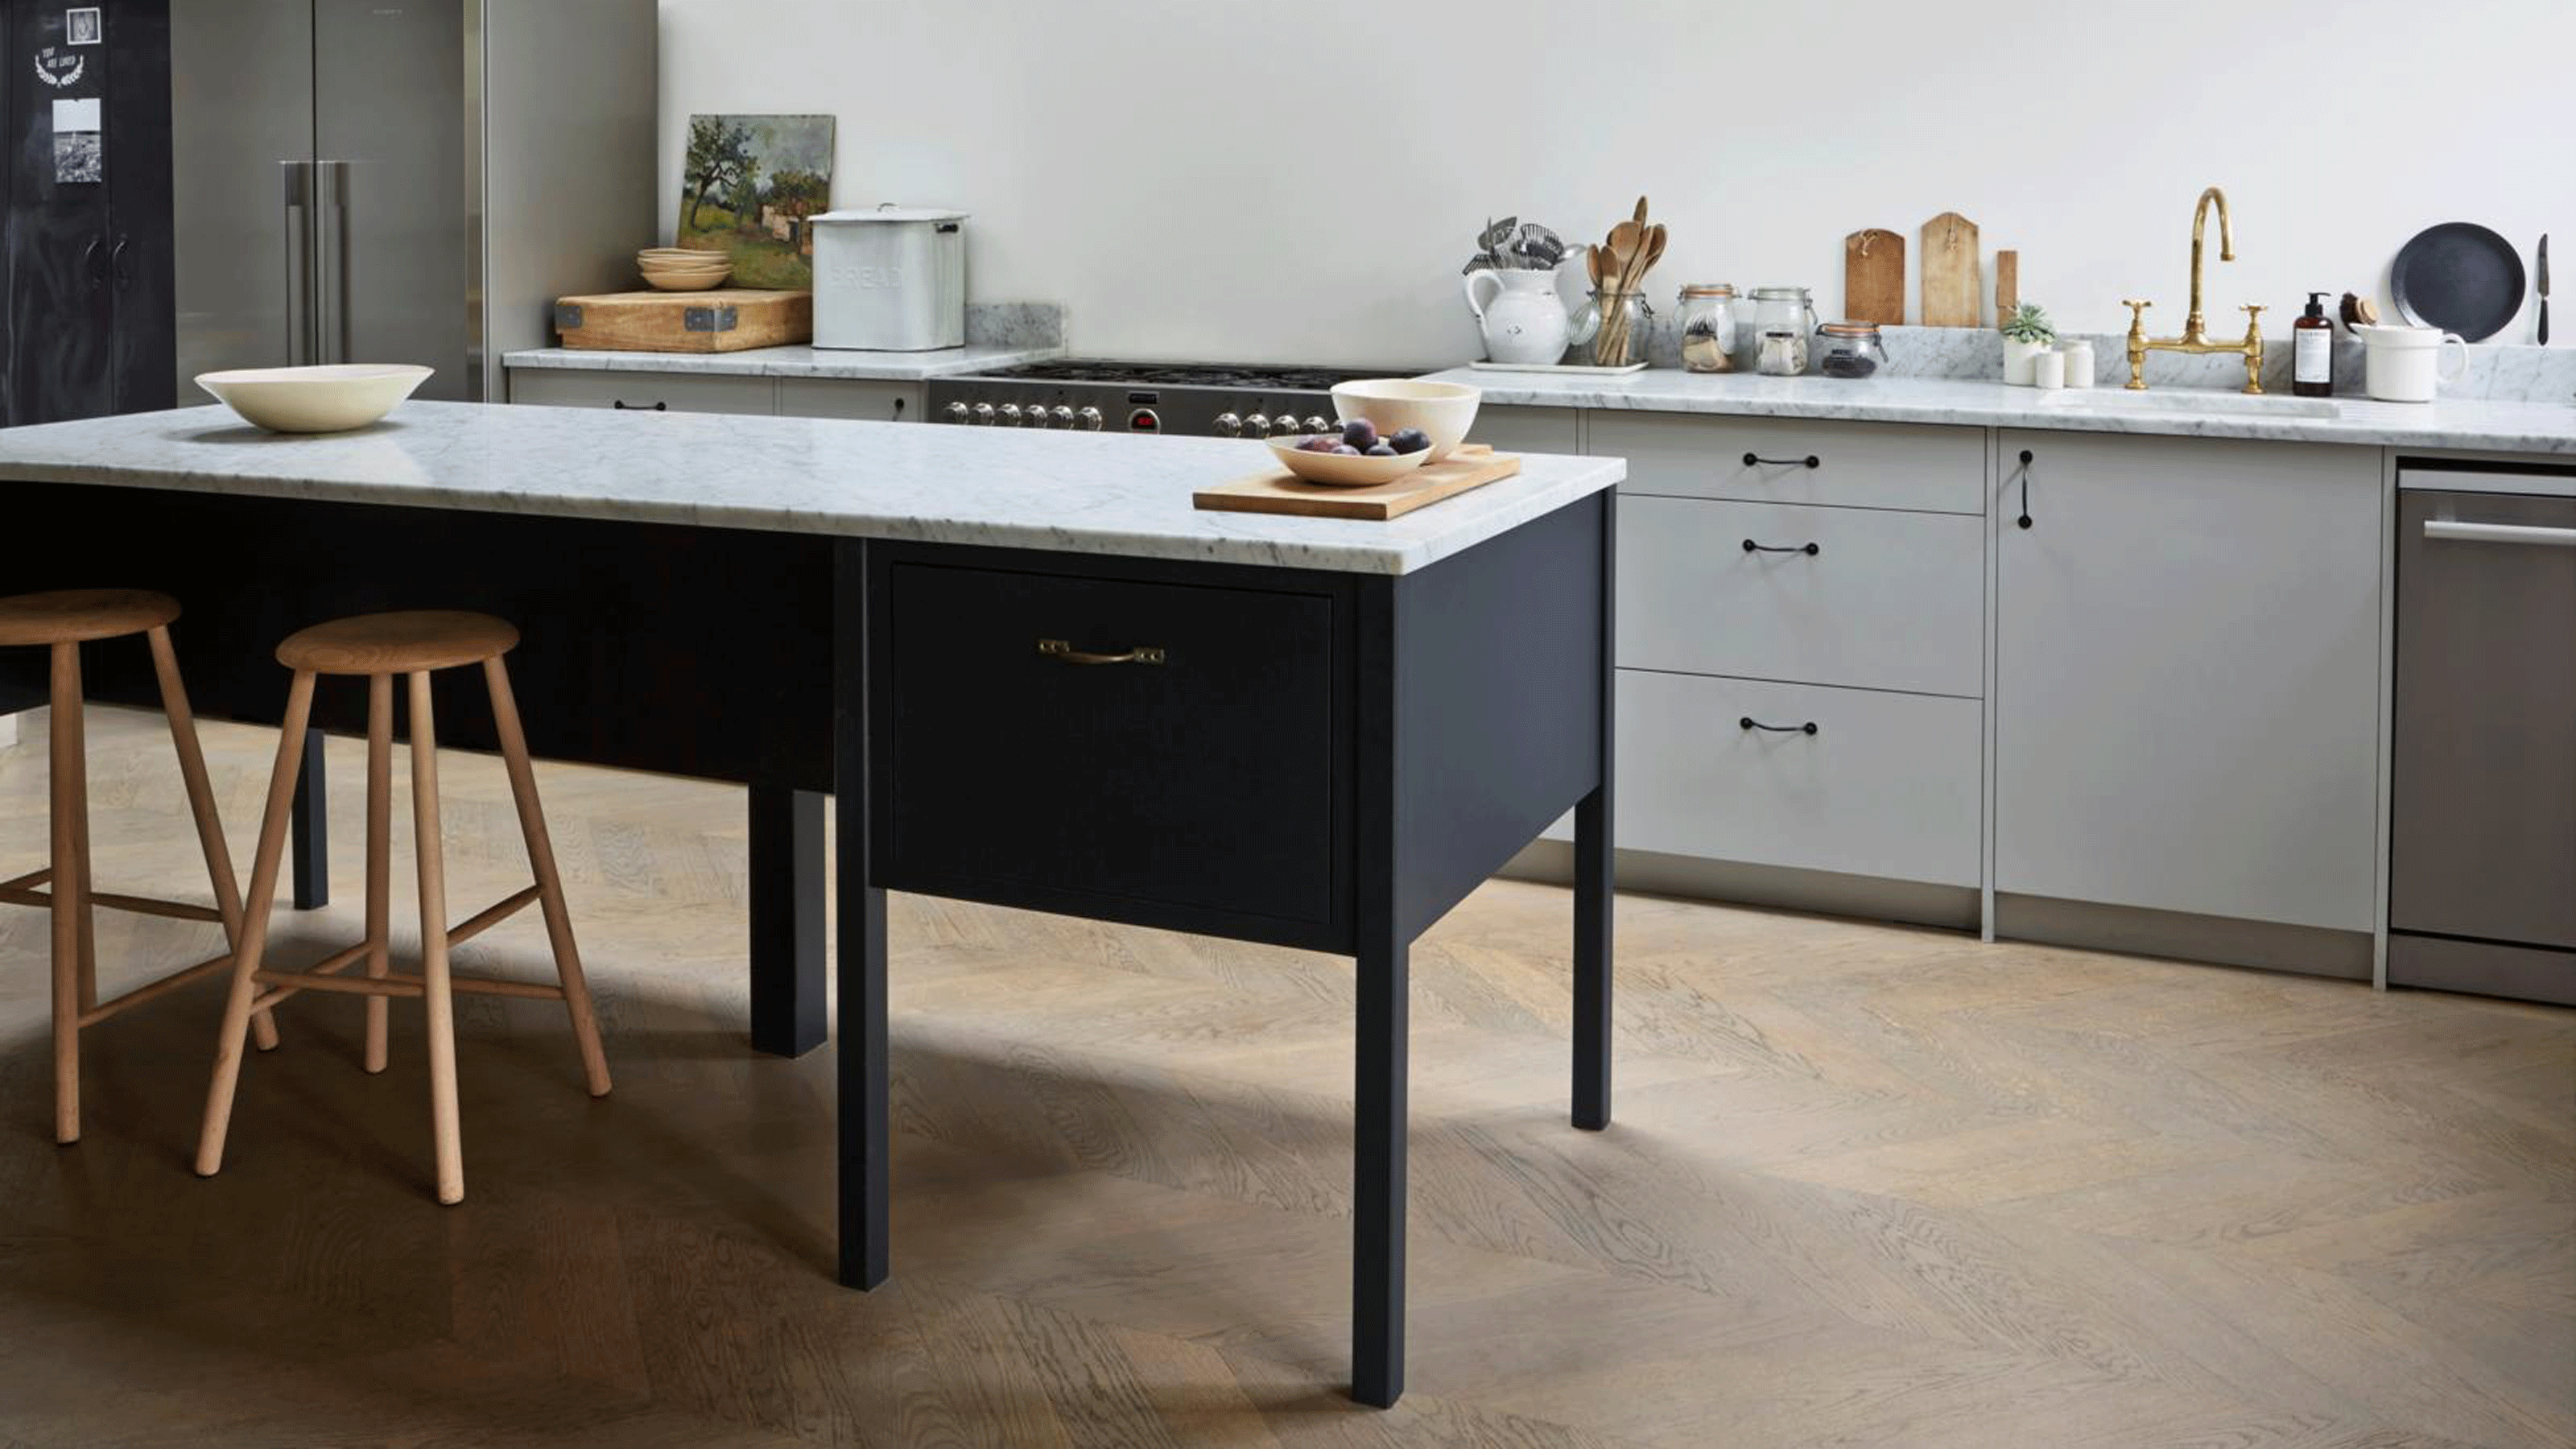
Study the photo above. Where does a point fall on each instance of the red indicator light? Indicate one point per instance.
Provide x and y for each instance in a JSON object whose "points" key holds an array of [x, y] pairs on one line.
{"points": [[1142, 420]]}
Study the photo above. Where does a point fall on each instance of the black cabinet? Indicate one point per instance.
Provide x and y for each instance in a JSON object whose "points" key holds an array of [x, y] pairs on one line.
{"points": [[91, 326], [1173, 751]]}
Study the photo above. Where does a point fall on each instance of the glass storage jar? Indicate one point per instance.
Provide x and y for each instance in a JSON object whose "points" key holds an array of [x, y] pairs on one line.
{"points": [[1626, 325], [1783, 309], [1708, 327], [1849, 349]]}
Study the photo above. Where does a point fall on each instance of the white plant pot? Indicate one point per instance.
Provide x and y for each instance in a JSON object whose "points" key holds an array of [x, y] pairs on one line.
{"points": [[2018, 356]]}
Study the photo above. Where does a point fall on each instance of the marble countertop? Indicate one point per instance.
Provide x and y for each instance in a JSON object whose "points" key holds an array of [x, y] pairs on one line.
{"points": [[795, 361], [1094, 493], [2505, 427]]}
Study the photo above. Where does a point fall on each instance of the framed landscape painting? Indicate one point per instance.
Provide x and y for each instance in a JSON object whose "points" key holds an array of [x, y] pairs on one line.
{"points": [[748, 185]]}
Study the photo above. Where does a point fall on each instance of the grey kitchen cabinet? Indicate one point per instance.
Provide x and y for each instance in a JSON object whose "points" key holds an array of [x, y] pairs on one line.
{"points": [[1529, 429], [678, 392], [1795, 460], [1873, 597], [2187, 674], [832, 397]]}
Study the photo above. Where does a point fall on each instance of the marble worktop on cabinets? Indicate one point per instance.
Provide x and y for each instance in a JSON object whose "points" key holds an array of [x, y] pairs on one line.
{"points": [[1091, 493], [798, 360], [2452, 423]]}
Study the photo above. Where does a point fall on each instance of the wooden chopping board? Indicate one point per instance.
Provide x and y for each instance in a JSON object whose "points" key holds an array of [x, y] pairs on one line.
{"points": [[728, 319], [1276, 490], [2007, 285], [1951, 294], [1874, 277]]}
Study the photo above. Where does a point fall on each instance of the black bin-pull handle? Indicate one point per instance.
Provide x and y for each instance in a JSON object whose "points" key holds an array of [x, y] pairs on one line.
{"points": [[1809, 549], [623, 406], [1756, 460], [1750, 723]]}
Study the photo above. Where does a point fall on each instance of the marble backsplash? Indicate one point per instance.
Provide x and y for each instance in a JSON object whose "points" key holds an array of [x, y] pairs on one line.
{"points": [[2496, 373], [1014, 324]]}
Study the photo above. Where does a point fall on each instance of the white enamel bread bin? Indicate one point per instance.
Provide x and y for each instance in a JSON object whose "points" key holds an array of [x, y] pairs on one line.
{"points": [[890, 279]]}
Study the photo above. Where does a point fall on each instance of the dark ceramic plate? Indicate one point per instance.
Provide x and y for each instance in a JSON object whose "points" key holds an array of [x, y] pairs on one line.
{"points": [[2460, 277]]}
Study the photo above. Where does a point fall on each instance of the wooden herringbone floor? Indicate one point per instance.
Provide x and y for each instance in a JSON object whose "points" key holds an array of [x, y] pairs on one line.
{"points": [[1868, 1186]]}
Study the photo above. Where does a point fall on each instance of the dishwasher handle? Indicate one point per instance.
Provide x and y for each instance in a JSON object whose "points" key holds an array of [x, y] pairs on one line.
{"points": [[2527, 533]]}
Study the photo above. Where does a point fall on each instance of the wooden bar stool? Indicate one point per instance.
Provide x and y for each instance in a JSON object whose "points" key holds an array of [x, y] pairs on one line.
{"points": [[379, 646], [63, 622]]}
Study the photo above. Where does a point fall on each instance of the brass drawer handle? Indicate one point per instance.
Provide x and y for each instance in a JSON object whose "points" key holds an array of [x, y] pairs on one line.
{"points": [[1061, 649]]}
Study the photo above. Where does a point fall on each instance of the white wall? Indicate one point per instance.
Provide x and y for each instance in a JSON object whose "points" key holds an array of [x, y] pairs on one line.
{"points": [[1252, 181]]}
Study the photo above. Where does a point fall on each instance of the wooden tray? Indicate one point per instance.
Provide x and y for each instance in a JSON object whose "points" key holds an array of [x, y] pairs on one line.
{"points": [[727, 319], [1276, 490]]}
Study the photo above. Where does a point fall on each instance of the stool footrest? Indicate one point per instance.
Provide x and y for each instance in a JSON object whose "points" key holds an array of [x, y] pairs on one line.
{"points": [[398, 983], [18, 893], [163, 987], [28, 881]]}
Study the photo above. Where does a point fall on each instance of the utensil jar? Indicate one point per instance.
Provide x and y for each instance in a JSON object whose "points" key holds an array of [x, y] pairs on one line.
{"points": [[1783, 309], [1626, 326]]}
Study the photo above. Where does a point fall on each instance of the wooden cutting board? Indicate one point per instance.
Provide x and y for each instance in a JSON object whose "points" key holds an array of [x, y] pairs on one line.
{"points": [[1951, 294], [728, 319], [1874, 277], [2007, 285], [1276, 490]]}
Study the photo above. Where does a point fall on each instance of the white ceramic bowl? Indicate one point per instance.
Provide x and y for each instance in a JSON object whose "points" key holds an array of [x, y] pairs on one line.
{"points": [[1442, 410], [698, 281], [1343, 470], [328, 399]]}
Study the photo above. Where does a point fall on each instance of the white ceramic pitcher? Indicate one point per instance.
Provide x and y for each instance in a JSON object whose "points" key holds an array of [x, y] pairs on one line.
{"points": [[1522, 316], [2401, 363]]}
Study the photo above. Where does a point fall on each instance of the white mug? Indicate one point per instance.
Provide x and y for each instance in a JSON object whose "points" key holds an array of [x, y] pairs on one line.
{"points": [[2402, 363]]}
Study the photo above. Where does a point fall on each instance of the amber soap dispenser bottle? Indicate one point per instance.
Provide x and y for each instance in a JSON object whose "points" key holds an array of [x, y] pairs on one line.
{"points": [[2312, 351]]}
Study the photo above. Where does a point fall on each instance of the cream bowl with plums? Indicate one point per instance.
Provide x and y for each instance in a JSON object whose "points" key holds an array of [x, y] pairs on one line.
{"points": [[1441, 411]]}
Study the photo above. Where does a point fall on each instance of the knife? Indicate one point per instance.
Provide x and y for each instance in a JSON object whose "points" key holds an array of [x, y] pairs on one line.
{"points": [[2544, 289]]}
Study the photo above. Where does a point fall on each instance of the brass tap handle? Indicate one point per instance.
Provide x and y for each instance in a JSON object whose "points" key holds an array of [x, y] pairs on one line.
{"points": [[2253, 313], [2253, 348], [2137, 342]]}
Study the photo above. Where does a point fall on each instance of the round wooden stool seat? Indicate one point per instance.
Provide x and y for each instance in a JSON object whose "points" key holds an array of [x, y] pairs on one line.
{"points": [[76, 616], [405, 642]]}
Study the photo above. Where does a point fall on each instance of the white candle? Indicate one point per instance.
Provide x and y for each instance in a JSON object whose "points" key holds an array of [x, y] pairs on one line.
{"points": [[2048, 370]]}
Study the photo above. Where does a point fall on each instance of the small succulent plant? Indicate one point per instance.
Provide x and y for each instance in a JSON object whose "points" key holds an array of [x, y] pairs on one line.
{"points": [[2029, 323]]}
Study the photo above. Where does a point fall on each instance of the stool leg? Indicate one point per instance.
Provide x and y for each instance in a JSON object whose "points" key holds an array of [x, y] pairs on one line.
{"points": [[430, 853], [256, 909], [70, 894], [380, 826], [201, 804], [541, 862]]}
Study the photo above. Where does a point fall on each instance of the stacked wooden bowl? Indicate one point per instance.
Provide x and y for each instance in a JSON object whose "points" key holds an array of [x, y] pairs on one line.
{"points": [[682, 269]]}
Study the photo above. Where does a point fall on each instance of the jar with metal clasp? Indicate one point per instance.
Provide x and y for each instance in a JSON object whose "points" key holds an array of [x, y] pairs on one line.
{"points": [[1708, 327], [1783, 309], [1849, 349]]}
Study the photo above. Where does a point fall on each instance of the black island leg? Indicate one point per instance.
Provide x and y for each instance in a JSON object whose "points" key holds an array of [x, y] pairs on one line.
{"points": [[1592, 960], [309, 820], [787, 1007], [1378, 1183], [865, 1079]]}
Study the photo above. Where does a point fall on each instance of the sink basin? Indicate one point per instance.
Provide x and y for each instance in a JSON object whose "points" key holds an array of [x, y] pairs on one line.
{"points": [[2189, 400]]}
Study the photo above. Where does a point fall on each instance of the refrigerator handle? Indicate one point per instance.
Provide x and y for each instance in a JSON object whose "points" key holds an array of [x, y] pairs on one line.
{"points": [[331, 261], [299, 262]]}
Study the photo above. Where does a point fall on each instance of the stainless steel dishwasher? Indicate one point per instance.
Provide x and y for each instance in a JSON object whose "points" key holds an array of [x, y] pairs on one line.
{"points": [[2482, 811]]}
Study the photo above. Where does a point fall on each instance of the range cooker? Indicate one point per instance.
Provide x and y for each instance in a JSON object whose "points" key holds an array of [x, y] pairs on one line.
{"points": [[1202, 400]]}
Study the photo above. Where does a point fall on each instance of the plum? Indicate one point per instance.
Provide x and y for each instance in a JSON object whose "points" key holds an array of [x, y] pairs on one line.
{"points": [[1320, 443], [1346, 450], [1379, 450], [1410, 440], [1360, 433]]}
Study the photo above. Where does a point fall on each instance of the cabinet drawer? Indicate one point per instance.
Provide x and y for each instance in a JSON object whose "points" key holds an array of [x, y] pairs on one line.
{"points": [[1529, 429], [672, 391], [1863, 465], [1886, 786], [1889, 600], [1204, 782], [826, 397]]}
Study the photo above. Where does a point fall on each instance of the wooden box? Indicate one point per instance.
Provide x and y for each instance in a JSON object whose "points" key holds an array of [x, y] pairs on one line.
{"points": [[730, 319]]}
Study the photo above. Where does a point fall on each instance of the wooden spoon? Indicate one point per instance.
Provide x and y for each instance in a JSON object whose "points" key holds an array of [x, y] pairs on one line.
{"points": [[1625, 241], [1641, 211], [1592, 264]]}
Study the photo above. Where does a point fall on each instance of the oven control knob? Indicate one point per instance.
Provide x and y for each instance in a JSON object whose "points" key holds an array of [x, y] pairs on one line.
{"points": [[1090, 419], [983, 415], [1010, 415], [1285, 425], [1318, 425], [1228, 425], [1060, 416], [955, 412], [1256, 425]]}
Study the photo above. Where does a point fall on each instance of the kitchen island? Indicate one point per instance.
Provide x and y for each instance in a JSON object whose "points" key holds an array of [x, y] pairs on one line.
{"points": [[1027, 669]]}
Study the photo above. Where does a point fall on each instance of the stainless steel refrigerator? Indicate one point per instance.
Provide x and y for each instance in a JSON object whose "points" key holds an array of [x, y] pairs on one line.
{"points": [[404, 180]]}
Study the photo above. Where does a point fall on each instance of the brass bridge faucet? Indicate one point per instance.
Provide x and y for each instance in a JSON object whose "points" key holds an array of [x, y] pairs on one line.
{"points": [[2195, 328]]}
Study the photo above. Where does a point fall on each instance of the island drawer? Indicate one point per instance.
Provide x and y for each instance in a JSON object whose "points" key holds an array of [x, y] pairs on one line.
{"points": [[1176, 749], [834, 397], [1856, 465], [1887, 785], [642, 391], [1887, 600]]}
